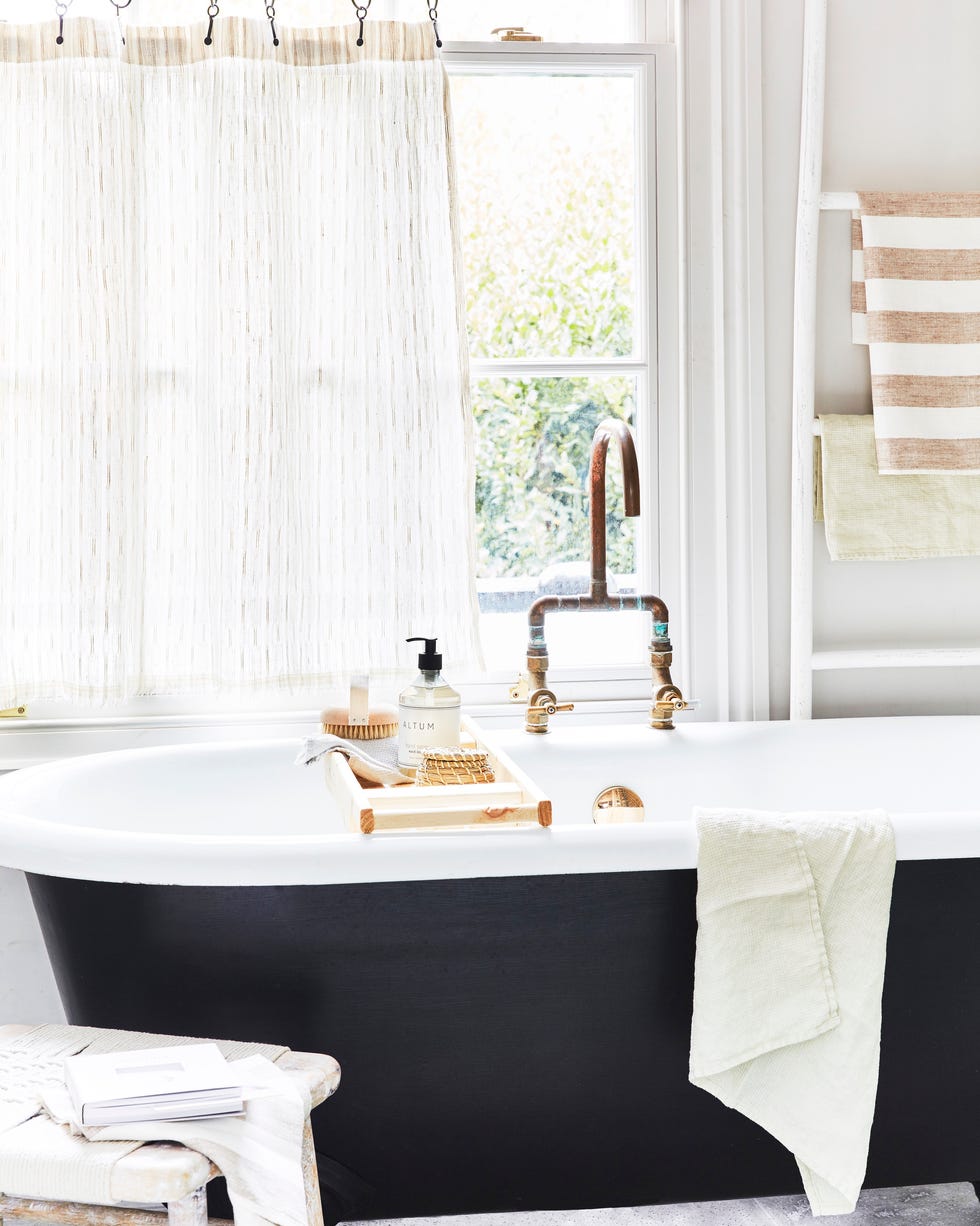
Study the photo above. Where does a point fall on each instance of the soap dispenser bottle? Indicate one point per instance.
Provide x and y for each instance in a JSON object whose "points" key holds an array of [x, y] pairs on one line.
{"points": [[428, 710]]}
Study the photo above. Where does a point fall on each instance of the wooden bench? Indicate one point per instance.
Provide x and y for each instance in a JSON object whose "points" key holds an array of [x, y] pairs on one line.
{"points": [[167, 1174]]}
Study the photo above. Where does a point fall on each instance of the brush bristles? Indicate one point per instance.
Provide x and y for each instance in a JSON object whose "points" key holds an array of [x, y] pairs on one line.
{"points": [[361, 732]]}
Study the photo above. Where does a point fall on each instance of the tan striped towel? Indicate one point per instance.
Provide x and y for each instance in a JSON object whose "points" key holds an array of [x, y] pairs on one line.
{"points": [[915, 300]]}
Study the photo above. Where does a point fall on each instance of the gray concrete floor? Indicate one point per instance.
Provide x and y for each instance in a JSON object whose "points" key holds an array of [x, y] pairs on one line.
{"points": [[950, 1204]]}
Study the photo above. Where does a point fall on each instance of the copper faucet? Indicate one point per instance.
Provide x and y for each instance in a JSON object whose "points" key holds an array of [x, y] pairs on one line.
{"points": [[667, 698]]}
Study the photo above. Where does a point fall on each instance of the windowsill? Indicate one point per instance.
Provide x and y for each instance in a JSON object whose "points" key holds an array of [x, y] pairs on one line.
{"points": [[32, 742], [598, 660], [603, 693]]}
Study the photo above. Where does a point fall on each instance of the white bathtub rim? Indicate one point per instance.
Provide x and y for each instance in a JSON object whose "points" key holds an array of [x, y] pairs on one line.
{"points": [[91, 854], [45, 846]]}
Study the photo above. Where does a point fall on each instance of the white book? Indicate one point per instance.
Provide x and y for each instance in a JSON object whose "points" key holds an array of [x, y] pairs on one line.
{"points": [[154, 1083], [144, 1112]]}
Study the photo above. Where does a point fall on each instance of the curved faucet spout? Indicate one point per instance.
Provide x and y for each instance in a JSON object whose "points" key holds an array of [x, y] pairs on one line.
{"points": [[605, 432]]}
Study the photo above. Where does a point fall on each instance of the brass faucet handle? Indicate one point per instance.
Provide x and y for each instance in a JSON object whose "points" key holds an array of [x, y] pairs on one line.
{"points": [[541, 705], [668, 700], [545, 700]]}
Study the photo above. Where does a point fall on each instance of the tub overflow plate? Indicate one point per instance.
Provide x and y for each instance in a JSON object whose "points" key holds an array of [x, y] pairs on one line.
{"points": [[617, 804]]}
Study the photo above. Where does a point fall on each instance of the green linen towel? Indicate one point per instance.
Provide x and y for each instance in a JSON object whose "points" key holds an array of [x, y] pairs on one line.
{"points": [[792, 924], [870, 516]]}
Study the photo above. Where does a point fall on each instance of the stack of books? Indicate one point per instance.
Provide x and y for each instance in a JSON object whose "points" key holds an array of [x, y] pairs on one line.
{"points": [[192, 1081]]}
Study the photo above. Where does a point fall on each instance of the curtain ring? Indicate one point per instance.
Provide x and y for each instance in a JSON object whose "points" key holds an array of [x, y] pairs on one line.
{"points": [[212, 13]]}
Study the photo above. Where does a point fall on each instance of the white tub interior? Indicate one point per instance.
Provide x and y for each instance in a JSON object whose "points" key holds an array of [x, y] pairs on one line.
{"points": [[235, 790]]}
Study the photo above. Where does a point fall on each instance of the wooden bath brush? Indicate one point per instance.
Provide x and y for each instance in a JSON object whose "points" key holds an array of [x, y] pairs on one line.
{"points": [[359, 720]]}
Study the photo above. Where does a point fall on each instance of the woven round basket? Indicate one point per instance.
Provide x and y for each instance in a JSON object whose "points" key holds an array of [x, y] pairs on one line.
{"points": [[450, 765]]}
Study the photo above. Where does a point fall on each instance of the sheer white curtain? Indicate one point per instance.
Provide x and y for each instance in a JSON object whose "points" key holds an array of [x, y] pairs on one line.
{"points": [[235, 446]]}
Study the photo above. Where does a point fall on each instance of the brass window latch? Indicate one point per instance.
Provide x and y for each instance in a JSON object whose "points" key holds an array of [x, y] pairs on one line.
{"points": [[14, 713], [514, 34]]}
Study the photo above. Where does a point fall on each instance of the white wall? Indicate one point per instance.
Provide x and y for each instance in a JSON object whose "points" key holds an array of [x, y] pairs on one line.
{"points": [[27, 988], [903, 112]]}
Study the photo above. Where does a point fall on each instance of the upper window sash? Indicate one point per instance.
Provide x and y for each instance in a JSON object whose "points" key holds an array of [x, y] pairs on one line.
{"points": [[599, 59]]}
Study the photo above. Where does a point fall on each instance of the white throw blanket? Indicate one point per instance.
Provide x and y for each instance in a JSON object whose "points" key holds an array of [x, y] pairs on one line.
{"points": [[260, 1153], [792, 921]]}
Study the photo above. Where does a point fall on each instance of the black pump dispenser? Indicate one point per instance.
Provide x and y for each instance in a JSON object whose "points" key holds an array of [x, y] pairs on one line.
{"points": [[430, 660], [428, 709]]}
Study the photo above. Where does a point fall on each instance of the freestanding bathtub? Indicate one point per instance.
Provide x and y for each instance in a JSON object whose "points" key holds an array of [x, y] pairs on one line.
{"points": [[511, 1008]]}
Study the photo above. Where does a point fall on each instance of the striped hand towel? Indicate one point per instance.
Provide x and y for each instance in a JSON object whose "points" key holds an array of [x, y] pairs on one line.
{"points": [[915, 300]]}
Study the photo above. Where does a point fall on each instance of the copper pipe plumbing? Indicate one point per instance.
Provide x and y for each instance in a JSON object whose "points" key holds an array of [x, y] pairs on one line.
{"points": [[667, 698]]}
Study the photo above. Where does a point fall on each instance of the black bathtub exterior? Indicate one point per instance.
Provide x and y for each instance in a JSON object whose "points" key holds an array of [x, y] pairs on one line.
{"points": [[517, 1043]]}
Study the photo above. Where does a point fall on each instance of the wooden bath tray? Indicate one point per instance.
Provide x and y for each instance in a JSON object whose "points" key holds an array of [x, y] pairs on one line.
{"points": [[511, 800]]}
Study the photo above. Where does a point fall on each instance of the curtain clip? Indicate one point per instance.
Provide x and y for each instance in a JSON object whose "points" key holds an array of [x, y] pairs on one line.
{"points": [[61, 8], [119, 5], [361, 9], [212, 13], [270, 12], [434, 18]]}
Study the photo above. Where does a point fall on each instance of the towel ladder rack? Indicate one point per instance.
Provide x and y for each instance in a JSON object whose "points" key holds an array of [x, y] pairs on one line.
{"points": [[811, 202]]}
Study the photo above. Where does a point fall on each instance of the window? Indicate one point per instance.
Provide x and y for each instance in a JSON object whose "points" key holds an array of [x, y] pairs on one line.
{"points": [[567, 180], [558, 197]]}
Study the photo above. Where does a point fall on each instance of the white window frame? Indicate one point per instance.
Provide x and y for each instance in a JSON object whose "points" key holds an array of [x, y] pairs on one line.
{"points": [[724, 375]]}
